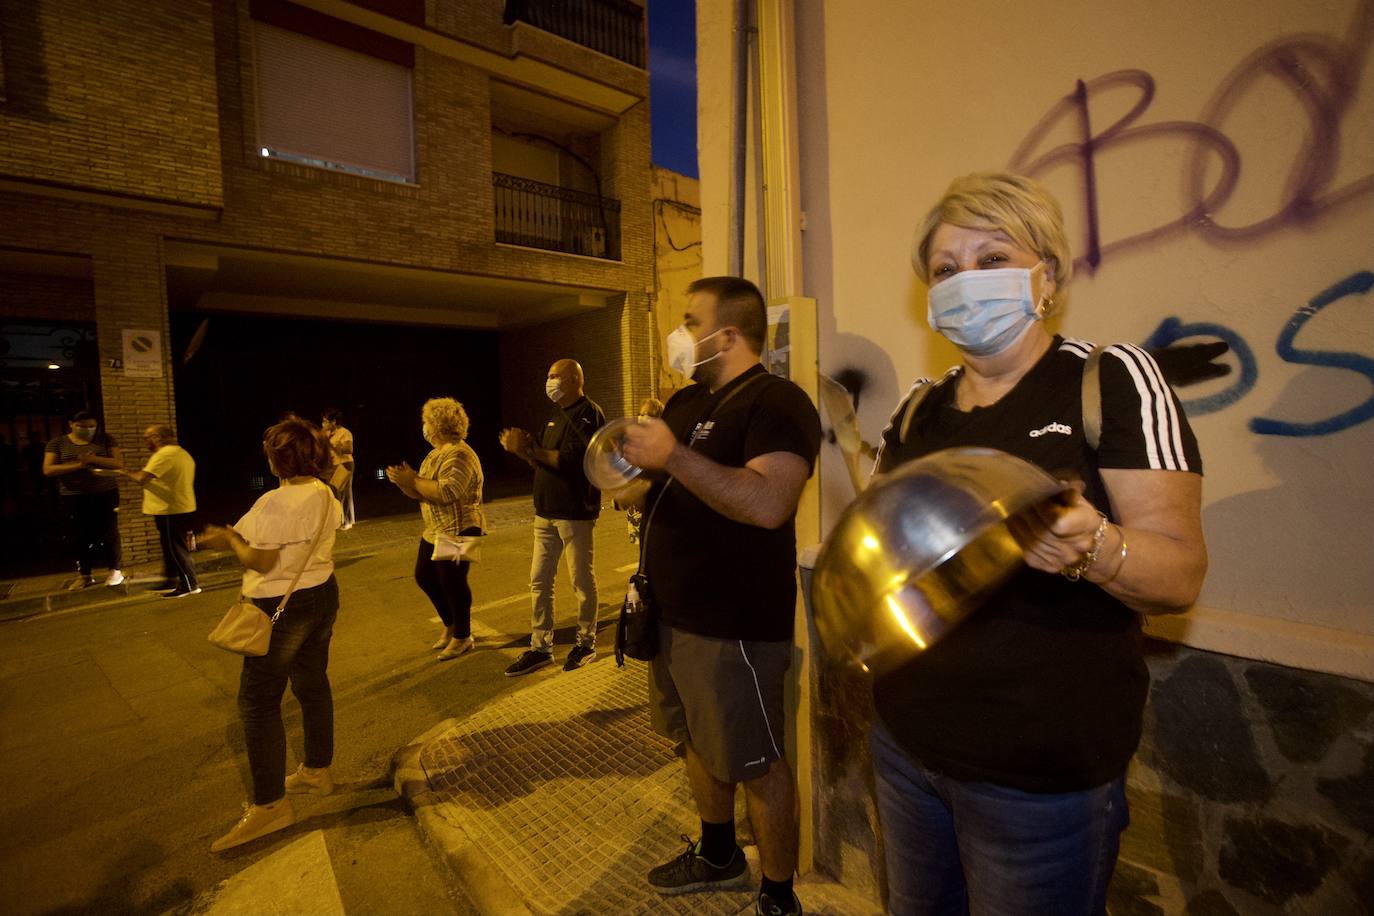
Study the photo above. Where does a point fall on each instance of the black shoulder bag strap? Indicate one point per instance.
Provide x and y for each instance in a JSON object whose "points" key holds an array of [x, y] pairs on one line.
{"points": [[649, 516], [571, 424], [1092, 397]]}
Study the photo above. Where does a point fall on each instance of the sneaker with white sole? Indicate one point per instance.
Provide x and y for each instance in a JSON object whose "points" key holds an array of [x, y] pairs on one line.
{"points": [[182, 592], [529, 660], [455, 648], [305, 779], [257, 821], [691, 872], [579, 656], [116, 578]]}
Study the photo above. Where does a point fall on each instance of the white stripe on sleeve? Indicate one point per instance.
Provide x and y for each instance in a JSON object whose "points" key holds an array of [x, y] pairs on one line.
{"points": [[1157, 417]]}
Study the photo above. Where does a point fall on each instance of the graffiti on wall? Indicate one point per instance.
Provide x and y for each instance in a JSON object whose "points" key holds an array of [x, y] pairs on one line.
{"points": [[1322, 74]]}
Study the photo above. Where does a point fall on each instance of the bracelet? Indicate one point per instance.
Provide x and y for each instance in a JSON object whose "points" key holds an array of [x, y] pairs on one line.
{"points": [[1074, 571], [1120, 563]]}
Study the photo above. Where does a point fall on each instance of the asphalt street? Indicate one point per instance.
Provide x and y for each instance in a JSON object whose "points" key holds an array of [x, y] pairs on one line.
{"points": [[123, 755]]}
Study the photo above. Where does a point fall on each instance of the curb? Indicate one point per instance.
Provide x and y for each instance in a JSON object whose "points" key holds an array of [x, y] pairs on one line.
{"points": [[475, 870]]}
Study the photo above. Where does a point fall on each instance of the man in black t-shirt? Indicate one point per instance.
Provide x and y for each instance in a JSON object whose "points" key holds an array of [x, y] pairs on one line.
{"points": [[720, 558], [565, 509]]}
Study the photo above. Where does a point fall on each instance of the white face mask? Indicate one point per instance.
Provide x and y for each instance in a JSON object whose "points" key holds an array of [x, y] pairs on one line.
{"points": [[83, 433], [554, 389], [982, 312], [682, 350]]}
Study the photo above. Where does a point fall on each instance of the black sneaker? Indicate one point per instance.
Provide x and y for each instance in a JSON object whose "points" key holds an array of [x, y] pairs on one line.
{"points": [[182, 592], [690, 872], [529, 660], [767, 906], [578, 657]]}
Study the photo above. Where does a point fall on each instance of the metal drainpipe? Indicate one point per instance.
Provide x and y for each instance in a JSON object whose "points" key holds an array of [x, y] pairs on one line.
{"points": [[741, 135]]}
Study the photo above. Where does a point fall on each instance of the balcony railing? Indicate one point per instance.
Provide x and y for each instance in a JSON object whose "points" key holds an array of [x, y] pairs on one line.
{"points": [[614, 27], [539, 215]]}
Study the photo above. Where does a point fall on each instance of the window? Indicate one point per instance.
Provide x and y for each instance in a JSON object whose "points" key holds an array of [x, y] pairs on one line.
{"points": [[330, 106]]}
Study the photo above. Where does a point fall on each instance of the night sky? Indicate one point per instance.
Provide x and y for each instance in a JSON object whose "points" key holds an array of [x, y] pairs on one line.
{"points": [[673, 84]]}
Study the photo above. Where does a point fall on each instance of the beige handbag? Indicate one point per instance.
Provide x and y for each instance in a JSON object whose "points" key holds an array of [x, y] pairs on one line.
{"points": [[246, 629], [338, 479]]}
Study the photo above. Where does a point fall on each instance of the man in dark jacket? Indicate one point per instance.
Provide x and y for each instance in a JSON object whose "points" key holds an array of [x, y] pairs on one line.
{"points": [[565, 509]]}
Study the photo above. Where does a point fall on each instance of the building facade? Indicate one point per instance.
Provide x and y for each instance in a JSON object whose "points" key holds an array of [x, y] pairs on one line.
{"points": [[455, 164]]}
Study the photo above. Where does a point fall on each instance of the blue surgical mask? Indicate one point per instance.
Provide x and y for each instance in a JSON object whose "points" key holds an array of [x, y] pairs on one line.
{"points": [[982, 312]]}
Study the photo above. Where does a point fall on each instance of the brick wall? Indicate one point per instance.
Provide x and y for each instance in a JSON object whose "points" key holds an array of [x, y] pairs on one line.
{"points": [[129, 293], [178, 125], [85, 105]]}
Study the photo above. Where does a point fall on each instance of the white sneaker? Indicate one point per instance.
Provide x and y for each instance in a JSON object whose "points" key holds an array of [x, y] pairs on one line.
{"points": [[116, 578], [257, 820], [316, 782]]}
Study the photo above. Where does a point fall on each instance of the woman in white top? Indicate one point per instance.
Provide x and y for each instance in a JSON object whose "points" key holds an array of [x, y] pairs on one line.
{"points": [[289, 531], [341, 443]]}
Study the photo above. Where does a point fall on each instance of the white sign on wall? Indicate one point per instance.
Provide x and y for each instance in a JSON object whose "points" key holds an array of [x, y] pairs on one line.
{"points": [[142, 353]]}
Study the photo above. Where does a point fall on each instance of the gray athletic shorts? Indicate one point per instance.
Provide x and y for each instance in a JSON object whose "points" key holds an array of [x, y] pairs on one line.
{"points": [[723, 697]]}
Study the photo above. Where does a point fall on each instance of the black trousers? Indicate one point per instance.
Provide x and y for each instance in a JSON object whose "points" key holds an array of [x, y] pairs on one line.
{"points": [[177, 565], [445, 583], [95, 526]]}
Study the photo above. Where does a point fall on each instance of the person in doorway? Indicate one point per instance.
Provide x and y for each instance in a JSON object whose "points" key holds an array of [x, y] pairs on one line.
{"points": [[169, 496], [720, 558], [566, 506], [86, 463], [273, 541], [448, 487], [342, 462], [1006, 794]]}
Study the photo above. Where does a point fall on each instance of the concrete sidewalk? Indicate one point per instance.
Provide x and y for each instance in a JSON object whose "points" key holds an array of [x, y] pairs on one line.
{"points": [[559, 798]]}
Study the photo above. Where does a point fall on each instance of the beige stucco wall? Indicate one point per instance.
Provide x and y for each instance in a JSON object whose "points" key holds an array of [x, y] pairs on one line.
{"points": [[894, 102]]}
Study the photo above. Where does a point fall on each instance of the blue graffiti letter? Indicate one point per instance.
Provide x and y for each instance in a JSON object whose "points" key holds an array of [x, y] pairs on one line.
{"points": [[1171, 331], [1360, 282]]}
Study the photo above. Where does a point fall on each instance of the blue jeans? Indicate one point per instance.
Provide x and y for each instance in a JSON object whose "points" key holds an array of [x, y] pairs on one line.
{"points": [[551, 536], [299, 653], [976, 848]]}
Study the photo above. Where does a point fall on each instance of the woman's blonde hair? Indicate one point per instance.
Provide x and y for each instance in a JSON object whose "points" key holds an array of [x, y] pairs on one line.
{"points": [[651, 407], [999, 201], [445, 417]]}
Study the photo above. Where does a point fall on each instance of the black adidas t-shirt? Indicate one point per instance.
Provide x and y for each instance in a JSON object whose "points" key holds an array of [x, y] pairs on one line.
{"points": [[1043, 688], [710, 575], [564, 492]]}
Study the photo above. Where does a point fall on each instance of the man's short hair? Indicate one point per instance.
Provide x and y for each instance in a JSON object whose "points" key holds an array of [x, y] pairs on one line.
{"points": [[739, 304], [83, 415], [297, 448], [333, 415]]}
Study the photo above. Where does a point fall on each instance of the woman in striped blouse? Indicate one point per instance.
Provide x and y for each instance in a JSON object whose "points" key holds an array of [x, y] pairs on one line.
{"points": [[448, 486]]}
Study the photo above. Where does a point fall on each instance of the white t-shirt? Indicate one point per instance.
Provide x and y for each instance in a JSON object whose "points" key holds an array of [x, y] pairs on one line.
{"points": [[287, 519]]}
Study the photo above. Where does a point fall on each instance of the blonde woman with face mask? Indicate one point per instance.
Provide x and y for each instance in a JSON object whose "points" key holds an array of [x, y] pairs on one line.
{"points": [[1000, 755], [448, 487]]}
